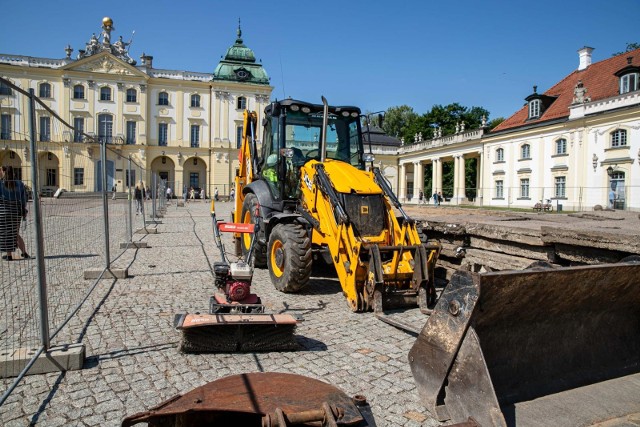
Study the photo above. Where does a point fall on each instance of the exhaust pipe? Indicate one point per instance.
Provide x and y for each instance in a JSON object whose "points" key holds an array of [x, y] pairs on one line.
{"points": [[325, 123]]}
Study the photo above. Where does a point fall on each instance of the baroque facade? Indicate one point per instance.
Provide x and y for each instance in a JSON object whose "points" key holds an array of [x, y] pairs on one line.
{"points": [[575, 146], [183, 126]]}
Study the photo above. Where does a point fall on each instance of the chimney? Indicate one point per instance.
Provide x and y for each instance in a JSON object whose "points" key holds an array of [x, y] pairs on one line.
{"points": [[585, 57]]}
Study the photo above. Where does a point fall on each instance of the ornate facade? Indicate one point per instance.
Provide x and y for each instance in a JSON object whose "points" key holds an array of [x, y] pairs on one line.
{"points": [[576, 145], [182, 125]]}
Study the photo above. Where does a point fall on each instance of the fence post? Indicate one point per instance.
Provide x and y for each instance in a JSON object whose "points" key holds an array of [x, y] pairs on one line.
{"points": [[37, 216], [130, 218], [154, 190], [105, 202]]}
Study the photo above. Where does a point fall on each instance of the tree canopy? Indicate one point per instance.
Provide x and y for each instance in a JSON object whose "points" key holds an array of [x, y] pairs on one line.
{"points": [[403, 122]]}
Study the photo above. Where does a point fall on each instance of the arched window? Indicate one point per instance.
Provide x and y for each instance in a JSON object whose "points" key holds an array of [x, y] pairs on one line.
{"points": [[525, 151], [45, 90], [561, 146], [105, 128], [132, 95], [619, 138], [241, 104], [105, 93], [195, 100], [78, 92], [163, 98], [534, 108], [500, 155]]}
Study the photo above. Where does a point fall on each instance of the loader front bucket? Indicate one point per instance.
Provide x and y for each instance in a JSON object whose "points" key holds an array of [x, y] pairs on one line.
{"points": [[533, 347], [230, 333]]}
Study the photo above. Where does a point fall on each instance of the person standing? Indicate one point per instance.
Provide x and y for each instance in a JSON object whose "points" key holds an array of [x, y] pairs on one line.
{"points": [[420, 197], [215, 194], [232, 194], [435, 198], [113, 191], [139, 195], [168, 193], [13, 209], [203, 195], [192, 194], [612, 198]]}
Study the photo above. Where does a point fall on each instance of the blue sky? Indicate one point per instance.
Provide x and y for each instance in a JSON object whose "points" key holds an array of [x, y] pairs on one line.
{"points": [[373, 54]]}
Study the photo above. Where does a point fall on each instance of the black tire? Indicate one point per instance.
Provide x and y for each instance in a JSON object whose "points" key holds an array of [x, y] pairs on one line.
{"points": [[249, 207], [289, 257]]}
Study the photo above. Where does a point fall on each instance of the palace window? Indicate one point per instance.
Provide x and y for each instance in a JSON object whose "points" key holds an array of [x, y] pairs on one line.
{"points": [[163, 98], [163, 133], [5, 89], [524, 188], [241, 103], [534, 108], [5, 126], [561, 146], [238, 136], [500, 189], [619, 138], [560, 187], [78, 176], [195, 100], [78, 92], [45, 90], [500, 155], [45, 129], [131, 132], [105, 93], [52, 177], [132, 95], [525, 151], [629, 82], [78, 129], [105, 128], [195, 136]]}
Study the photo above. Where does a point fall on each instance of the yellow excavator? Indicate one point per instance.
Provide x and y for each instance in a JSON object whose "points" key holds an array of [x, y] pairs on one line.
{"points": [[317, 197]]}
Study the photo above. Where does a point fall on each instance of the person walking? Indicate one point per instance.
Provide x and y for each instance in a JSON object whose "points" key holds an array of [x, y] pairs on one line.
{"points": [[420, 197], [139, 195], [232, 194], [113, 191], [435, 198], [192, 194], [203, 195], [168, 193], [13, 210], [215, 194]]}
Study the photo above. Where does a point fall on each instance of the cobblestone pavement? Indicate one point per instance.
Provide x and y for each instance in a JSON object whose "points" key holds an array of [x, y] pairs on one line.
{"points": [[132, 362]]}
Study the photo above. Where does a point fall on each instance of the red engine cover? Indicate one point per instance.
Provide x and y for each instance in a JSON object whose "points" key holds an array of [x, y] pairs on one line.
{"points": [[237, 291]]}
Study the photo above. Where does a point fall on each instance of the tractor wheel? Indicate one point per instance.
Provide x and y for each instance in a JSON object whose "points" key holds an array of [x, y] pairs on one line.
{"points": [[249, 208], [289, 257]]}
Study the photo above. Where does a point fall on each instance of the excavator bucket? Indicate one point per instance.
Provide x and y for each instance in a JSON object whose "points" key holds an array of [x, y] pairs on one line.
{"points": [[543, 346]]}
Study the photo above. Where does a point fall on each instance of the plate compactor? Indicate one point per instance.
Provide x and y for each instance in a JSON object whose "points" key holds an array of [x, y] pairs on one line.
{"points": [[237, 321]]}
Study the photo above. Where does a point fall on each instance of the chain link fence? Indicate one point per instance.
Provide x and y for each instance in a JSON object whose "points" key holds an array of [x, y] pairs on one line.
{"points": [[73, 217]]}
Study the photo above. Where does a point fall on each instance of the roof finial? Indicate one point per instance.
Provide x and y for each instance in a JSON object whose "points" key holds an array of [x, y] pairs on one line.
{"points": [[239, 30]]}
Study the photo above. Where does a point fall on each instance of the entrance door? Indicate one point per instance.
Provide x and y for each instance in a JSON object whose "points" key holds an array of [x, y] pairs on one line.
{"points": [[110, 175], [617, 185]]}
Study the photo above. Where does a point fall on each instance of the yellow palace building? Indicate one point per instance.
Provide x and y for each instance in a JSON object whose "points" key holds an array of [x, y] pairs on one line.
{"points": [[183, 126]]}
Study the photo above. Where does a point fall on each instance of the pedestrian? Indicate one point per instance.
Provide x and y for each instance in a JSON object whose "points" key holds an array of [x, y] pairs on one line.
{"points": [[435, 198], [147, 193], [168, 193], [612, 198], [439, 197], [113, 191], [232, 194], [139, 196], [203, 195], [192, 194], [215, 194], [13, 210], [420, 196]]}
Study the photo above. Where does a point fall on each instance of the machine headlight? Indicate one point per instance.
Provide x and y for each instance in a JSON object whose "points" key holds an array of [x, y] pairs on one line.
{"points": [[369, 157], [295, 107], [345, 113], [306, 110], [354, 114]]}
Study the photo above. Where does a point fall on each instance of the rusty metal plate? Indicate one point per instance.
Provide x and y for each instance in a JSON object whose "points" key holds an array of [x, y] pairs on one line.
{"points": [[253, 393]]}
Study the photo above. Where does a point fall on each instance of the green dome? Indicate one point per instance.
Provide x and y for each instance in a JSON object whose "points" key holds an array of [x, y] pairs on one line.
{"points": [[239, 64]]}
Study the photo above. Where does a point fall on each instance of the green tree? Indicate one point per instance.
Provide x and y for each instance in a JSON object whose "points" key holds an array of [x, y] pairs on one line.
{"points": [[398, 120], [630, 47]]}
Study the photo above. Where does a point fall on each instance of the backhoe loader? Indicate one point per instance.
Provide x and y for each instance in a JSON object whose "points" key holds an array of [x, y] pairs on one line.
{"points": [[316, 195]]}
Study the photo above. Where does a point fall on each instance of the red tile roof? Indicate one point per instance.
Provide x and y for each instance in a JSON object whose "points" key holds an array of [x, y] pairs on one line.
{"points": [[598, 78]]}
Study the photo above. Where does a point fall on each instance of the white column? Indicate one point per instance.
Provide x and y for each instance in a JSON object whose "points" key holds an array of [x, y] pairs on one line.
{"points": [[418, 181], [461, 179], [402, 182], [480, 180]]}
